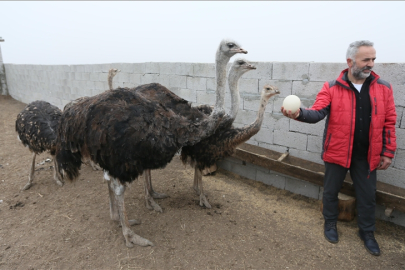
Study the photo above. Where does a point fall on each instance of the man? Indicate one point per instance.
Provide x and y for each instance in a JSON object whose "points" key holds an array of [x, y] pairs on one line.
{"points": [[359, 136]]}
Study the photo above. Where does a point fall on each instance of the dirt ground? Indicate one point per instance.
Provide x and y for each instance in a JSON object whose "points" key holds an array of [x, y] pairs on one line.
{"points": [[250, 226]]}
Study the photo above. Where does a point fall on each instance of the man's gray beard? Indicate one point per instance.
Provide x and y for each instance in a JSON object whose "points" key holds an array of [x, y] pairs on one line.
{"points": [[358, 73]]}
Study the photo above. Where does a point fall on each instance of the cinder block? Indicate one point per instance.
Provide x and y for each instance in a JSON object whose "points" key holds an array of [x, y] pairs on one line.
{"points": [[302, 187], [85, 76], [400, 115], [308, 128], [121, 77], [290, 71], [187, 94], [177, 81], [183, 69], [323, 72], [399, 95], [244, 170], [97, 68], [204, 97], [94, 77], [271, 179], [314, 144], [400, 161], [196, 83], [90, 85], [133, 68], [400, 133], [135, 79], [308, 91], [307, 155], [393, 175], [402, 125], [285, 87], [206, 70], [252, 103], [263, 71], [88, 68], [245, 117], [167, 68], [150, 78], [249, 86], [276, 122], [291, 139], [264, 136], [391, 72], [77, 68], [151, 67], [211, 84], [102, 86]]}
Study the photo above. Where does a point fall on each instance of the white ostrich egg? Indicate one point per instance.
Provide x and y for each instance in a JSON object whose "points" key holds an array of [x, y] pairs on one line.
{"points": [[292, 102]]}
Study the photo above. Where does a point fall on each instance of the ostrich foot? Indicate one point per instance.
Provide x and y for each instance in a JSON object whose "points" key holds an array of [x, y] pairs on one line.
{"points": [[27, 186], [204, 201], [158, 195], [60, 183], [132, 238], [151, 204]]}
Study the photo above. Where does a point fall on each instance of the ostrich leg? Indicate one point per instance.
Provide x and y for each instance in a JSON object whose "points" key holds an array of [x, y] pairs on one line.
{"points": [[150, 193], [198, 187], [56, 174], [114, 211], [130, 237], [31, 176]]}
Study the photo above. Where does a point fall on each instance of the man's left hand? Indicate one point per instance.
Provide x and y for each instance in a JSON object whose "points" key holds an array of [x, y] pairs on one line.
{"points": [[385, 162]]}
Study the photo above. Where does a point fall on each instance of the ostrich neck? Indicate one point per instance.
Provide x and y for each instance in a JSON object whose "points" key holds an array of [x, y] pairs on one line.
{"points": [[110, 82], [249, 131], [220, 69], [235, 97]]}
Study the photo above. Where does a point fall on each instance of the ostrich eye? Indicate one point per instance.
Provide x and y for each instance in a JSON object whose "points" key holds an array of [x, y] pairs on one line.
{"points": [[231, 45], [241, 62]]}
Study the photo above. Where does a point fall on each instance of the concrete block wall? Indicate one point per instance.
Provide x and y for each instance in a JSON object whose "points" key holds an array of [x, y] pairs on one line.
{"points": [[59, 84]]}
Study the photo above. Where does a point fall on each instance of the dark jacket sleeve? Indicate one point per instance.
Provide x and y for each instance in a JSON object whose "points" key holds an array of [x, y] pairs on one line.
{"points": [[389, 137], [320, 109]]}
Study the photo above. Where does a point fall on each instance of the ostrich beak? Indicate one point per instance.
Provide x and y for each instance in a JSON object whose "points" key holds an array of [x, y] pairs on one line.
{"points": [[251, 67], [240, 50]]}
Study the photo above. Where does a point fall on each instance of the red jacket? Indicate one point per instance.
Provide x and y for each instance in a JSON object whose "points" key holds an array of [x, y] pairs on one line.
{"points": [[337, 101]]}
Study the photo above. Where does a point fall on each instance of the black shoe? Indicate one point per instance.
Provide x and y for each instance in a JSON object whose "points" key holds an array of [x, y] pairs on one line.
{"points": [[330, 232], [369, 242]]}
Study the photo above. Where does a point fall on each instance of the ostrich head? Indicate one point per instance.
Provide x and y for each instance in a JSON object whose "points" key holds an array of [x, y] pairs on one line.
{"points": [[113, 71], [268, 91], [229, 48], [240, 66]]}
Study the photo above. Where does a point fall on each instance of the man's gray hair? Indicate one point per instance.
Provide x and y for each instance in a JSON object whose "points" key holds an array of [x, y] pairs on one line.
{"points": [[354, 47]]}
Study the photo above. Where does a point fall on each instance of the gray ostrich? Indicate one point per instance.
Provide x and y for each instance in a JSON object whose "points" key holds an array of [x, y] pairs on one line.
{"points": [[36, 126], [222, 143], [226, 49], [126, 134]]}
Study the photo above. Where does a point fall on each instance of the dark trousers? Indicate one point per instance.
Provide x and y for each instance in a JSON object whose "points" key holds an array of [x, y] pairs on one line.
{"points": [[365, 192]]}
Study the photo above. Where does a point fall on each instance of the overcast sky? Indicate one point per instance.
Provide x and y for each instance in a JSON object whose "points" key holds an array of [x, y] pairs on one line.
{"points": [[78, 32]]}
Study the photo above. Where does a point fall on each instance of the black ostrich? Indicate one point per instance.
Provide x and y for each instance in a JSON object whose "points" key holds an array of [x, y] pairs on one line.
{"points": [[226, 49], [222, 143], [125, 134], [238, 68], [36, 126]]}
